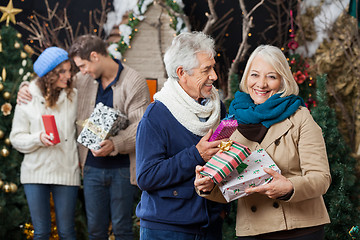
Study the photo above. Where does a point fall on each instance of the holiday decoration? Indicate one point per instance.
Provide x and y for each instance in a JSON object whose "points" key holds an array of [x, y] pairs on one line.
{"points": [[13, 202], [6, 95], [342, 198], [5, 152], [7, 141], [355, 232], [234, 185], [3, 74], [6, 188], [6, 109], [9, 13]]}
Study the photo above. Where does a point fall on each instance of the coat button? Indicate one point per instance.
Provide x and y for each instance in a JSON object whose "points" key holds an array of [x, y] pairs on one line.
{"points": [[253, 208], [275, 204], [175, 193]]}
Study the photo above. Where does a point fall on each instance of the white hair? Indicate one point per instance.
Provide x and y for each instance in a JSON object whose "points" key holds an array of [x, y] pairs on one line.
{"points": [[276, 58], [183, 50]]}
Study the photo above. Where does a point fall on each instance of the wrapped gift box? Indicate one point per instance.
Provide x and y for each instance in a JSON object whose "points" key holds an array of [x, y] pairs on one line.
{"points": [[50, 128], [103, 122], [234, 185], [225, 129], [229, 158]]}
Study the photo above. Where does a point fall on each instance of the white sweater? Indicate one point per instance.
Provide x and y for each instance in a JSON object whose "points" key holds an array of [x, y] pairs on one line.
{"points": [[58, 164]]}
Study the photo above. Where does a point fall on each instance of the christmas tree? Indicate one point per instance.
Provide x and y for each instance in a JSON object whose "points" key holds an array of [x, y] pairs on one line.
{"points": [[16, 66], [342, 198]]}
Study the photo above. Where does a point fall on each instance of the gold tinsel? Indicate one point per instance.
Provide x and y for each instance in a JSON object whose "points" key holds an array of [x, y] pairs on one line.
{"points": [[29, 229]]}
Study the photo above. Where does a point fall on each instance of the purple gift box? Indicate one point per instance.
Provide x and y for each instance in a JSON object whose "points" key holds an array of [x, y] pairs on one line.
{"points": [[225, 129]]}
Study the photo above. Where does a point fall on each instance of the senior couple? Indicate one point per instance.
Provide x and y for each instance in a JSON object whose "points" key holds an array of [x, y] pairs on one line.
{"points": [[172, 146]]}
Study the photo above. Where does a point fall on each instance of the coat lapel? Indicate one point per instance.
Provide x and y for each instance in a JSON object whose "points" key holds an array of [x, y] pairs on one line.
{"points": [[275, 132]]}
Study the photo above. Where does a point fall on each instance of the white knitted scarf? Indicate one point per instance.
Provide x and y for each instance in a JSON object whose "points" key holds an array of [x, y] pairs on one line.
{"points": [[187, 111]]}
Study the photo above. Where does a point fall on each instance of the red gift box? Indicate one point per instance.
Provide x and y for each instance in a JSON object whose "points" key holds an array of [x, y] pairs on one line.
{"points": [[50, 128], [226, 161], [225, 129]]}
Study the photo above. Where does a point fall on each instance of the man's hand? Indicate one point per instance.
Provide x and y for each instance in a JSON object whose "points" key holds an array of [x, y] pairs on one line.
{"points": [[207, 149], [279, 186], [202, 183], [24, 95], [107, 146]]}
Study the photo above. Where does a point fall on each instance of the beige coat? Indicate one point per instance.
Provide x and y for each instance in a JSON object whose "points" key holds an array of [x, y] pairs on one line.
{"points": [[130, 96], [297, 147]]}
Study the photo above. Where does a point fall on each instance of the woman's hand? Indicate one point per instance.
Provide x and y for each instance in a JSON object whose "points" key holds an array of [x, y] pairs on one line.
{"points": [[46, 139], [278, 187], [202, 183]]}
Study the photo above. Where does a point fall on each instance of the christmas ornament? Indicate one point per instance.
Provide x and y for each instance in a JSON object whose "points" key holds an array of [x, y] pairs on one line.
{"points": [[21, 71], [0, 44], [5, 152], [13, 187], [23, 54], [3, 74], [6, 188], [6, 109], [9, 13], [1, 134], [1, 183], [16, 45], [19, 35], [1, 87], [7, 141], [6, 95], [29, 50]]}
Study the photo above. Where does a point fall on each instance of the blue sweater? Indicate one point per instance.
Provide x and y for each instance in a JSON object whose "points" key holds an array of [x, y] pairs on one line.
{"points": [[166, 158]]}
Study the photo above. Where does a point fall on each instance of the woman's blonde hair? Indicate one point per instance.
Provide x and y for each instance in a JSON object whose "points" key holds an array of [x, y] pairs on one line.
{"points": [[48, 88], [276, 58]]}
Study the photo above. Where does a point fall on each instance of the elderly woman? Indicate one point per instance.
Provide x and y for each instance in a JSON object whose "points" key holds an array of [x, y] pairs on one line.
{"points": [[49, 167], [271, 116]]}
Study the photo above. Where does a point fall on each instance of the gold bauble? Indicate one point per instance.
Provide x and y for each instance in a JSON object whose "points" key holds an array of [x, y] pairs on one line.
{"points": [[13, 187], [1, 134], [19, 35], [6, 188], [1, 183], [23, 55], [1, 87], [5, 152], [7, 141], [16, 45], [6, 95]]}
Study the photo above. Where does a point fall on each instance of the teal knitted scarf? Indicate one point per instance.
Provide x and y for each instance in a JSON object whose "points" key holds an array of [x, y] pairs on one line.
{"points": [[272, 111]]}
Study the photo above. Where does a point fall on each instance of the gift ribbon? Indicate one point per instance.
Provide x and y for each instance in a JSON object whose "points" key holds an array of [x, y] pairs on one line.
{"points": [[225, 146], [97, 130]]}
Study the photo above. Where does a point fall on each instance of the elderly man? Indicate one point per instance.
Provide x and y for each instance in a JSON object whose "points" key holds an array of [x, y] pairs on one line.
{"points": [[172, 138]]}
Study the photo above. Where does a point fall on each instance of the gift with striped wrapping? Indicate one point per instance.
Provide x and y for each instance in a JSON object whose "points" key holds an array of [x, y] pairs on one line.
{"points": [[226, 160]]}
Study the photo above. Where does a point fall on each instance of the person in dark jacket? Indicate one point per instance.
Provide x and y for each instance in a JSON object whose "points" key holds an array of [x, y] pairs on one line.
{"points": [[172, 138]]}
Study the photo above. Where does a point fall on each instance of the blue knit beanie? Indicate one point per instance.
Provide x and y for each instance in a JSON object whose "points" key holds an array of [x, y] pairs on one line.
{"points": [[49, 59]]}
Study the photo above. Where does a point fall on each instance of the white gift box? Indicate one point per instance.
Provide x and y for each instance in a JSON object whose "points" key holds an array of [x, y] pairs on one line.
{"points": [[102, 123], [234, 185]]}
